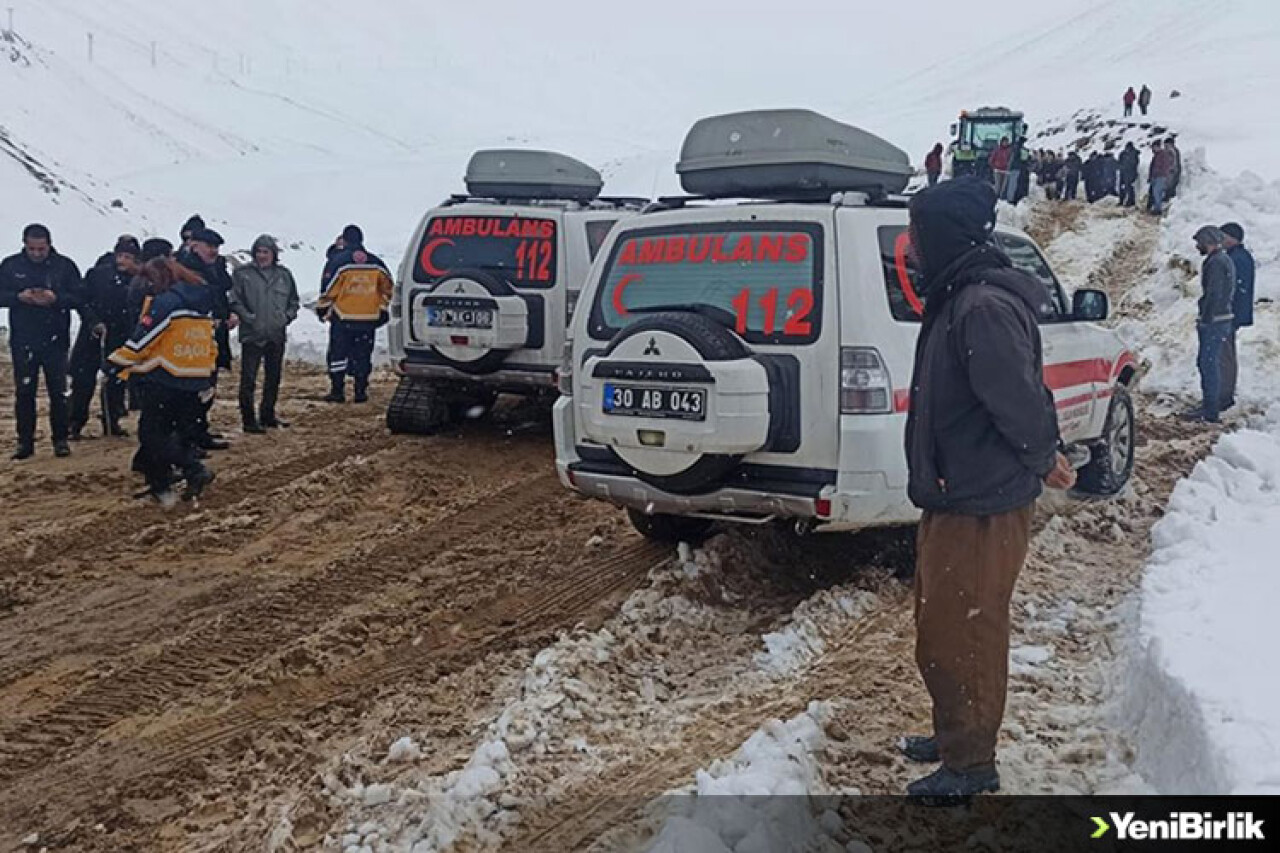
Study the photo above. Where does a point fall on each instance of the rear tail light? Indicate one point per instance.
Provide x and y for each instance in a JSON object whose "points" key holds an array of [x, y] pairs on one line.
{"points": [[865, 387], [822, 506], [564, 373]]}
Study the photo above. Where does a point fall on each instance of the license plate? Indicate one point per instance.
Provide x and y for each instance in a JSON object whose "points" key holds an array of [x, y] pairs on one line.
{"points": [[460, 318], [652, 402]]}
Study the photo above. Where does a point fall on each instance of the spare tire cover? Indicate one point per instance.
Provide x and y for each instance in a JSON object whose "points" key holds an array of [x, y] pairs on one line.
{"points": [[468, 297], [682, 350]]}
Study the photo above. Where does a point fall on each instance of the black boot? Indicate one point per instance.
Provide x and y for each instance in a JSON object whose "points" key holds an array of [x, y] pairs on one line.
{"points": [[250, 424], [61, 449], [337, 393], [362, 391], [945, 786], [919, 748], [26, 449], [197, 480]]}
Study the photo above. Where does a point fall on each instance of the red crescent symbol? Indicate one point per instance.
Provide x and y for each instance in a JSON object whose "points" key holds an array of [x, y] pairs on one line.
{"points": [[900, 261], [630, 278], [428, 251]]}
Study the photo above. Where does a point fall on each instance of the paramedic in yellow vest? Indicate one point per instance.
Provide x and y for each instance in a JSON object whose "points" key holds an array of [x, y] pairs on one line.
{"points": [[172, 356], [355, 291]]}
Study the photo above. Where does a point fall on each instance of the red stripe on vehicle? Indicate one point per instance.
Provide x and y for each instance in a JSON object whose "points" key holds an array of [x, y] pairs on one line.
{"points": [[1074, 401], [1126, 359], [1069, 374], [901, 401]]}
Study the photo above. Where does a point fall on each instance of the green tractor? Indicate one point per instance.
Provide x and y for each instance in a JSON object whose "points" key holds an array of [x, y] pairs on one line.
{"points": [[977, 134]]}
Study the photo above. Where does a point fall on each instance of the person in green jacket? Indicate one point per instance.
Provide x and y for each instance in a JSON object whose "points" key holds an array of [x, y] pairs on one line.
{"points": [[265, 298]]}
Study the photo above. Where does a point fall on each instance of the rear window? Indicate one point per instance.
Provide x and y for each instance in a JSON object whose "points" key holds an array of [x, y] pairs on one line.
{"points": [[516, 248], [762, 279], [597, 232], [901, 277]]}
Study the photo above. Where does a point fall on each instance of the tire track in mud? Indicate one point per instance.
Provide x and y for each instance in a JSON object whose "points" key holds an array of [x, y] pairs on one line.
{"points": [[498, 625], [265, 480], [223, 646]]}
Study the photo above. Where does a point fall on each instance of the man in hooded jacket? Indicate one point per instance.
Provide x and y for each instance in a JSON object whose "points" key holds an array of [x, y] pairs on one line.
{"points": [[265, 298], [981, 441], [106, 319]]}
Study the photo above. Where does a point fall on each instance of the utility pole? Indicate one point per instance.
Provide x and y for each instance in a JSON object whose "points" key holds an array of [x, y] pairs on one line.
{"points": [[90, 35], [153, 54], [10, 30]]}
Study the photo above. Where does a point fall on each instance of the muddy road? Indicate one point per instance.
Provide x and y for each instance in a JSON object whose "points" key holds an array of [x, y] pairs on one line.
{"points": [[232, 675]]}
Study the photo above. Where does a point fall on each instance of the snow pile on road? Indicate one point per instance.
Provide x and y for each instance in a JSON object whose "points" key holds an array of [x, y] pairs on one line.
{"points": [[758, 800], [1207, 703], [1165, 331]]}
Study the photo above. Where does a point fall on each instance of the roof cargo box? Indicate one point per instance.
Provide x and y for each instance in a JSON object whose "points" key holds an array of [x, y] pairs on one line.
{"points": [[787, 154], [523, 174]]}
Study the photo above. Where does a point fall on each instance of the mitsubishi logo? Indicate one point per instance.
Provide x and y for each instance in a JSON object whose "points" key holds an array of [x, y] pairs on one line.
{"points": [[459, 288], [652, 348]]}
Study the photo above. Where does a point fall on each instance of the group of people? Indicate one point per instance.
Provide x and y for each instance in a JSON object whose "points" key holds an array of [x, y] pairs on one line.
{"points": [[1104, 174], [155, 325], [1142, 98], [1225, 307]]}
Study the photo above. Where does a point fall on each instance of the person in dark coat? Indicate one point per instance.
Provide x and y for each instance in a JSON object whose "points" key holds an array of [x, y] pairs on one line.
{"points": [[40, 288], [1241, 309], [1092, 173], [171, 355], [203, 258], [1144, 99], [355, 291], [106, 319], [1159, 174], [1129, 161], [981, 441], [265, 298], [1175, 169], [1213, 321], [1071, 170], [1110, 175], [933, 164], [1129, 97]]}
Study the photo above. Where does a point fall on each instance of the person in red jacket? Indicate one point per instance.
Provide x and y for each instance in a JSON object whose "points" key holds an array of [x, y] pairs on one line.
{"points": [[999, 162], [933, 164], [1129, 97]]}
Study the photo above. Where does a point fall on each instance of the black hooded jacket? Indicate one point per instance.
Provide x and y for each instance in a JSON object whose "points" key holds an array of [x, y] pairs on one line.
{"points": [[982, 432]]}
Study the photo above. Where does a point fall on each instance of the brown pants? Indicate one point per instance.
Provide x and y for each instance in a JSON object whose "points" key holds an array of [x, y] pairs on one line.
{"points": [[1229, 367], [965, 572]]}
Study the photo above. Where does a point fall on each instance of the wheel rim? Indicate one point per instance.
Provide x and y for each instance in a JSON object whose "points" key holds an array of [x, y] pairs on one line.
{"points": [[1121, 440]]}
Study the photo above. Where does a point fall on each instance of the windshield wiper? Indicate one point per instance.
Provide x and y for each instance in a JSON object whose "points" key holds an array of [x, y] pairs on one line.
{"points": [[711, 312]]}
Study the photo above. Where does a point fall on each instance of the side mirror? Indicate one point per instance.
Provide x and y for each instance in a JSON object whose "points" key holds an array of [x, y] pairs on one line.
{"points": [[954, 127], [1089, 306]]}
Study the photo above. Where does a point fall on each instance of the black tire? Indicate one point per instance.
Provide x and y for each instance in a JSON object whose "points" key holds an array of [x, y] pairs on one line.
{"points": [[495, 286], [670, 528], [713, 342], [417, 408], [1112, 464]]}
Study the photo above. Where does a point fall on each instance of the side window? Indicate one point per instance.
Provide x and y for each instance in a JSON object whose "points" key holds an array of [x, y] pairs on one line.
{"points": [[1027, 258], [901, 278], [597, 232]]}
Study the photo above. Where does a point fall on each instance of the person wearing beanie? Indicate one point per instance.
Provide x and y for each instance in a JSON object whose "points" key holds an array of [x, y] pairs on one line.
{"points": [[1241, 308], [189, 229], [265, 298], [981, 441], [1214, 320], [205, 259], [107, 316], [355, 290]]}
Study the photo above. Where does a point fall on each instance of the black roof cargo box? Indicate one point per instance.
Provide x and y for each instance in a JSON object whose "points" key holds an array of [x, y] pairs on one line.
{"points": [[526, 174], [789, 155]]}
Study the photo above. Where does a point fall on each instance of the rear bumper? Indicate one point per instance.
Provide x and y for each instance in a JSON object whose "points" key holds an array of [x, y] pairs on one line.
{"points": [[542, 378]]}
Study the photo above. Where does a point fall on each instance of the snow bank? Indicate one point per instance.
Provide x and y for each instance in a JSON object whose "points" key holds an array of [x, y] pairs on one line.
{"points": [[1207, 703], [758, 800]]}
